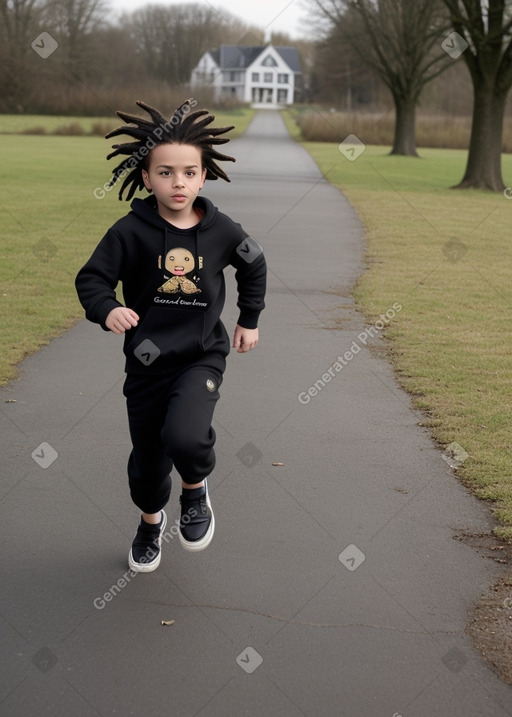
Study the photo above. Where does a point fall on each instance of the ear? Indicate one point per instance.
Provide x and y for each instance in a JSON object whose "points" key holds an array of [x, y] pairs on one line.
{"points": [[145, 178], [203, 178]]}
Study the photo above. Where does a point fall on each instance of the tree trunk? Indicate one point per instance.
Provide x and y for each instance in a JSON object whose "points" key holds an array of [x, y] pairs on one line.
{"points": [[404, 142], [483, 169]]}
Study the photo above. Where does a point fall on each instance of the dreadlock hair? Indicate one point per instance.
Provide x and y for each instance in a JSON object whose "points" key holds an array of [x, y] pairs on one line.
{"points": [[181, 128]]}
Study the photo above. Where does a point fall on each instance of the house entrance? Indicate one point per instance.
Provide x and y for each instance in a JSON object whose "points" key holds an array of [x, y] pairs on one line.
{"points": [[262, 94]]}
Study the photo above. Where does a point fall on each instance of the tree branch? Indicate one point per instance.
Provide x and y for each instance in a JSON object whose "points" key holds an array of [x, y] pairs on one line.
{"points": [[504, 77]]}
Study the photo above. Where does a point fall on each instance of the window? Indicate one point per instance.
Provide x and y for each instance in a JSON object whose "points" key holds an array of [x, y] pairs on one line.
{"points": [[282, 97], [233, 76], [255, 76], [283, 79], [269, 61], [267, 77]]}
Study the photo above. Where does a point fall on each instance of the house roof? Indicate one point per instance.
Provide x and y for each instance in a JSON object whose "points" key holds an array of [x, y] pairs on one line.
{"points": [[291, 56], [241, 57]]}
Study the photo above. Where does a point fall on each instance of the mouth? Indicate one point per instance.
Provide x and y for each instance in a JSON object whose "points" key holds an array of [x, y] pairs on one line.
{"points": [[179, 270], [179, 197]]}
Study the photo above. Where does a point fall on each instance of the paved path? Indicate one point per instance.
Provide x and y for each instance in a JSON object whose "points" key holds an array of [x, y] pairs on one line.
{"points": [[333, 586]]}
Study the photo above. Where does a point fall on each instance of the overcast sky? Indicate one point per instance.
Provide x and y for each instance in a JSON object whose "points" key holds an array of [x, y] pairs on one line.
{"points": [[276, 15]]}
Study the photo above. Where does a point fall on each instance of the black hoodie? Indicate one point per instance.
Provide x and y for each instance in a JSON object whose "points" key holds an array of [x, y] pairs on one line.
{"points": [[173, 279]]}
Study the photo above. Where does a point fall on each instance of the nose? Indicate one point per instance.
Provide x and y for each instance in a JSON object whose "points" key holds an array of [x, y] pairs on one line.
{"points": [[178, 180]]}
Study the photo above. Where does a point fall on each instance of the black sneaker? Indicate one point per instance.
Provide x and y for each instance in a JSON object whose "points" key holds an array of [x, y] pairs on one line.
{"points": [[145, 553], [197, 523]]}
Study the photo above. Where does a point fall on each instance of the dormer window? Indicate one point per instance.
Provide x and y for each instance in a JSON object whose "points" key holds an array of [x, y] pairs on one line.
{"points": [[269, 61]]}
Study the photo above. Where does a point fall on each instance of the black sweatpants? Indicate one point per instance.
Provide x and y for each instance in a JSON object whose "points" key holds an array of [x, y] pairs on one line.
{"points": [[170, 421]]}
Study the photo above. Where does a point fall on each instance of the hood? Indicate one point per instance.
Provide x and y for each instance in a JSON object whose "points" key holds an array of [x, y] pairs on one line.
{"points": [[146, 209]]}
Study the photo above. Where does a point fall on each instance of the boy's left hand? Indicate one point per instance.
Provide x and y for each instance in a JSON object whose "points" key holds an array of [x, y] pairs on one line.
{"points": [[244, 339]]}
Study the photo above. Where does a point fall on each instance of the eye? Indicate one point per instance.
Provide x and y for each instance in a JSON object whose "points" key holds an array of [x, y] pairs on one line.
{"points": [[191, 173], [187, 259], [165, 173]]}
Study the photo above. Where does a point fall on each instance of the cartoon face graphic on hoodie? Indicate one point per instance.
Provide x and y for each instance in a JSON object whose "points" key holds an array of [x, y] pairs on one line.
{"points": [[179, 262]]}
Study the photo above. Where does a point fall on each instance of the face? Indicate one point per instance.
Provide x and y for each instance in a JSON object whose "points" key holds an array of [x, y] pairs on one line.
{"points": [[175, 176], [179, 261]]}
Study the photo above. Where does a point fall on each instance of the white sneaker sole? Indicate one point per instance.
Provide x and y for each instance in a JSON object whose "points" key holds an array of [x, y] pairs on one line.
{"points": [[148, 567], [197, 545]]}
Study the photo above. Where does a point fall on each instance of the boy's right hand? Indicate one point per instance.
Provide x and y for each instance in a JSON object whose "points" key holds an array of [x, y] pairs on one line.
{"points": [[121, 319]]}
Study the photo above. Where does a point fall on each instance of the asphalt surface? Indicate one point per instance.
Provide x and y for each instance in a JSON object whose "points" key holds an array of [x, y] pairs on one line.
{"points": [[333, 586]]}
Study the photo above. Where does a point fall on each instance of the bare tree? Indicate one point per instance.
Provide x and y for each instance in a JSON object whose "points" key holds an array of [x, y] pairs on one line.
{"points": [[171, 39], [338, 75], [19, 20], [73, 23], [95, 59], [484, 36], [19, 27], [401, 41]]}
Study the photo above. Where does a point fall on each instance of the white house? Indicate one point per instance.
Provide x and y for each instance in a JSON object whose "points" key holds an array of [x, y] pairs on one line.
{"points": [[259, 75]]}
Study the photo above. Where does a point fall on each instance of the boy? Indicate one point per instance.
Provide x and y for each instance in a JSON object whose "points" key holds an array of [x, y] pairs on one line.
{"points": [[169, 253]]}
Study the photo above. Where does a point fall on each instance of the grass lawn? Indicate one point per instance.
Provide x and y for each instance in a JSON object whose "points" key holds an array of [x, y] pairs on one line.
{"points": [[17, 124], [445, 255], [48, 124], [50, 222]]}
